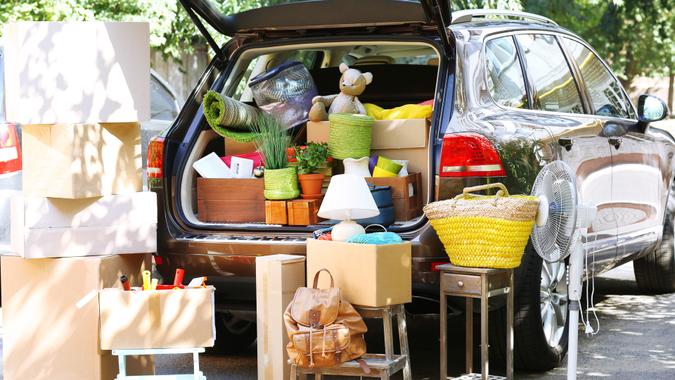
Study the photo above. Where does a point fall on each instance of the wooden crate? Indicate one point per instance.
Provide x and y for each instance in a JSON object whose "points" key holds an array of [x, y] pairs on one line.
{"points": [[275, 212], [303, 212], [230, 200], [406, 207]]}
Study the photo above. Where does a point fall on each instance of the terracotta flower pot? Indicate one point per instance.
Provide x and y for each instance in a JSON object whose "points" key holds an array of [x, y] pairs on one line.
{"points": [[310, 185]]}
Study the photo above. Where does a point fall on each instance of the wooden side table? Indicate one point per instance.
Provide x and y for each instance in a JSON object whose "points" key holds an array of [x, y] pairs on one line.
{"points": [[195, 375], [480, 283], [381, 365]]}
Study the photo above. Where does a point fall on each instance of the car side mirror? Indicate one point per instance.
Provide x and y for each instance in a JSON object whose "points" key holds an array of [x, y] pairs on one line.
{"points": [[651, 108]]}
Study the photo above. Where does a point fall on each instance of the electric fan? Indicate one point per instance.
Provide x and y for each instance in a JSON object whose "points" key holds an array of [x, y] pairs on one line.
{"points": [[557, 234]]}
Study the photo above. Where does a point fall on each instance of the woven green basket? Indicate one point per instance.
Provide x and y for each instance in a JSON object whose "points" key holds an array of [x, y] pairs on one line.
{"points": [[281, 184], [350, 135]]}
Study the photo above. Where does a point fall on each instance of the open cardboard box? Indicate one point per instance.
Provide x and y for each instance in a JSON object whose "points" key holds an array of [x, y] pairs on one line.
{"points": [[179, 318]]}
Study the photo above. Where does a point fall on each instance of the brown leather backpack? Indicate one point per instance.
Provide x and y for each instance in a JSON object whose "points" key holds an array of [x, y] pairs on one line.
{"points": [[324, 330]]}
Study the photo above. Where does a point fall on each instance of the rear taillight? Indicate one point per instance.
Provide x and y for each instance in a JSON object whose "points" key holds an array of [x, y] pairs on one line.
{"points": [[155, 157], [469, 155], [10, 149]]}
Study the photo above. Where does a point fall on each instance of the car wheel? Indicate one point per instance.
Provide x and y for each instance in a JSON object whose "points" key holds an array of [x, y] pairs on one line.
{"points": [[233, 334], [541, 315], [655, 272]]}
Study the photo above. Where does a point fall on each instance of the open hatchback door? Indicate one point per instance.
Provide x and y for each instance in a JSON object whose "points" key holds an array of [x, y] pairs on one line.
{"points": [[300, 17]]}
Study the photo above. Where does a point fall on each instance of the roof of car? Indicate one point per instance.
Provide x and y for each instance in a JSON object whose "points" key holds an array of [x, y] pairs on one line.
{"points": [[496, 26]]}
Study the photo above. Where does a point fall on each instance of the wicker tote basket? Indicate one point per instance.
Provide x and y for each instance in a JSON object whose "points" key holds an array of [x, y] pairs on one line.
{"points": [[349, 135], [484, 231]]}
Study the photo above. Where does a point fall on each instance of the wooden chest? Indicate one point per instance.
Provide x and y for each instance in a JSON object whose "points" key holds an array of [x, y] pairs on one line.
{"points": [[230, 200]]}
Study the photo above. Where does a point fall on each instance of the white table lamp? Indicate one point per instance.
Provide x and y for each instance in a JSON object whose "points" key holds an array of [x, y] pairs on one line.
{"points": [[348, 197]]}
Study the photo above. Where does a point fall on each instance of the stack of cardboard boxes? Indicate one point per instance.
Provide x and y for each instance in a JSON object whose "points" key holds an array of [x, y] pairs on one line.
{"points": [[80, 91]]}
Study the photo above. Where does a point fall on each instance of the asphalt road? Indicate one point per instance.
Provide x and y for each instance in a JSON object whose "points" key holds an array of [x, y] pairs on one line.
{"points": [[636, 341]]}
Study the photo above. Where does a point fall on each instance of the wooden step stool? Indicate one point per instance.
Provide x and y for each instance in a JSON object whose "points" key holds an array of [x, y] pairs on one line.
{"points": [[381, 365]]}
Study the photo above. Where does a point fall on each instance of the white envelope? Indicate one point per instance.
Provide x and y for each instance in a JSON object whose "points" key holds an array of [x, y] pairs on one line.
{"points": [[241, 167], [211, 166]]}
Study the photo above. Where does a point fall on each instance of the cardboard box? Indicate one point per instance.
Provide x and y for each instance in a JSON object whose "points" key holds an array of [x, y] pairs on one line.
{"points": [[233, 147], [405, 139], [182, 318], [81, 160], [407, 205], [230, 200], [50, 317], [367, 274], [77, 72], [277, 278], [275, 212], [114, 224], [303, 212], [387, 134]]}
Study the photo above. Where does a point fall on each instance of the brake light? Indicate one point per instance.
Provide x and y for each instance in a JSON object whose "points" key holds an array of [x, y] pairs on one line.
{"points": [[155, 157], [10, 149], [469, 155]]}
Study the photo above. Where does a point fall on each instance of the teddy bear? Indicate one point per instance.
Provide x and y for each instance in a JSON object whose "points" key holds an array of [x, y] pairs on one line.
{"points": [[352, 84]]}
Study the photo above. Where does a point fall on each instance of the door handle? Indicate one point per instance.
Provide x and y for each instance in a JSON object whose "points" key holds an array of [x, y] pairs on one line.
{"points": [[615, 142], [566, 143]]}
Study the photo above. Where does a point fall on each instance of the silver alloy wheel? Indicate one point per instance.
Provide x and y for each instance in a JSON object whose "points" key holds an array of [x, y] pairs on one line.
{"points": [[554, 301]]}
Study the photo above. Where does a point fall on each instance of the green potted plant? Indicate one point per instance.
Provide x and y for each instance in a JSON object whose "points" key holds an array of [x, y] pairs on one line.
{"points": [[310, 159], [272, 141]]}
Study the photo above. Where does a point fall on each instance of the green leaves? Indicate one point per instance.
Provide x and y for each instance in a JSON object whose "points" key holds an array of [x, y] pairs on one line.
{"points": [[311, 157], [272, 141]]}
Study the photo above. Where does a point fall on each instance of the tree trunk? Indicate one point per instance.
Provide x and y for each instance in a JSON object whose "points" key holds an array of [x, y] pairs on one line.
{"points": [[670, 90]]}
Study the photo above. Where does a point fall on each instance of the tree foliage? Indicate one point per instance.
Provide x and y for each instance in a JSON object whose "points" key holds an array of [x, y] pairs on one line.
{"points": [[634, 36]]}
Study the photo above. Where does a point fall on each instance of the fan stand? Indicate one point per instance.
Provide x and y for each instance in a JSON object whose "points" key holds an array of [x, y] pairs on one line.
{"points": [[575, 279]]}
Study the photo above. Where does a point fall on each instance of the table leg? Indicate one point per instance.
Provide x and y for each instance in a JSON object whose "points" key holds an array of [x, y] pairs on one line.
{"points": [[403, 340], [509, 328], [484, 317], [469, 335], [122, 360], [195, 363], [443, 333], [388, 334]]}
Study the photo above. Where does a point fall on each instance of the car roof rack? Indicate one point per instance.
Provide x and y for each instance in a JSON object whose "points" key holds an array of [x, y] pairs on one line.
{"points": [[467, 15]]}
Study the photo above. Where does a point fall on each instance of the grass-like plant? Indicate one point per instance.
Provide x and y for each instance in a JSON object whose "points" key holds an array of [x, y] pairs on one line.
{"points": [[272, 141], [311, 157]]}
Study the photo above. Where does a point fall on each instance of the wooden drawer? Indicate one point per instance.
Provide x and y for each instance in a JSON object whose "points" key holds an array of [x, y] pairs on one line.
{"points": [[467, 284], [461, 284]]}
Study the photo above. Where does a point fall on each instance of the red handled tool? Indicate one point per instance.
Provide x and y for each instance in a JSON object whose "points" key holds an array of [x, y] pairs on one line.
{"points": [[125, 282], [178, 279]]}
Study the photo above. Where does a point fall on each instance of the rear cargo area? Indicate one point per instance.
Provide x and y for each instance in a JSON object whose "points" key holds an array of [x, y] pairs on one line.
{"points": [[399, 98]]}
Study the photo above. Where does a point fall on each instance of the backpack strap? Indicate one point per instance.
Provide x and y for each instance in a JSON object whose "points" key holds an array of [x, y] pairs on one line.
{"points": [[316, 278], [364, 366]]}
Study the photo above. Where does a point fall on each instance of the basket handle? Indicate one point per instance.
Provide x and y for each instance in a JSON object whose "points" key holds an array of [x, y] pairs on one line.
{"points": [[503, 192]]}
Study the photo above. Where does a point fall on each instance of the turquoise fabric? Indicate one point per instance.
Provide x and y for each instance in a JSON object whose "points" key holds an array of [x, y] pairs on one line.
{"points": [[376, 238]]}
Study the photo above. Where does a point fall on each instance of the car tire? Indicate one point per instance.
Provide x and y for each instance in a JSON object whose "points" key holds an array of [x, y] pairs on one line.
{"points": [[233, 334], [655, 272], [534, 349]]}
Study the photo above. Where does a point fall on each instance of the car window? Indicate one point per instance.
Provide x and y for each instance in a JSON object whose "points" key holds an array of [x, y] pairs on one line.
{"points": [[606, 93], [554, 86], [162, 102], [505, 76]]}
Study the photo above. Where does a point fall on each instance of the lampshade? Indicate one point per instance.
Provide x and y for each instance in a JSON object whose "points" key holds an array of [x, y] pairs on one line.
{"points": [[348, 197]]}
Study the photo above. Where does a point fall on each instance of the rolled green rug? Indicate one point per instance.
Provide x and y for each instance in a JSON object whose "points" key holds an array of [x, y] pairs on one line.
{"points": [[230, 118]]}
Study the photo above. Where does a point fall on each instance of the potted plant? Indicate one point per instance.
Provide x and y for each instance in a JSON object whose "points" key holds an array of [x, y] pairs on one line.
{"points": [[272, 141], [309, 159]]}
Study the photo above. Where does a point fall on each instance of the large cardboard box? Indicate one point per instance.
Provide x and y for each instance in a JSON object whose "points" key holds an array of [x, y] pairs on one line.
{"points": [[387, 134], [81, 160], [114, 224], [77, 72], [181, 318], [405, 139], [233, 147], [50, 317], [367, 274], [277, 278]]}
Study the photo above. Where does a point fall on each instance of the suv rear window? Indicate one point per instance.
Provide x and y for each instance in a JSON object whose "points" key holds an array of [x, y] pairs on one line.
{"points": [[606, 94], [505, 76], [555, 89]]}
